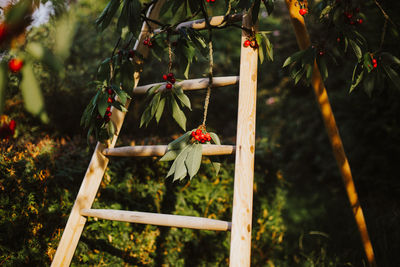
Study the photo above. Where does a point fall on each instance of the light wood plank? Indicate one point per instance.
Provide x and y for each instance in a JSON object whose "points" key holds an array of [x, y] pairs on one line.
{"points": [[93, 176], [160, 150], [244, 164], [193, 84], [158, 219]]}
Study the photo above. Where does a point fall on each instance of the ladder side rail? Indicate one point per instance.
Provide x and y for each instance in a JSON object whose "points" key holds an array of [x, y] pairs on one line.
{"points": [[94, 175], [240, 246]]}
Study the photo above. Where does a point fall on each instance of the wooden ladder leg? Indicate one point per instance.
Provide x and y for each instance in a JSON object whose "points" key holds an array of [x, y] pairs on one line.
{"points": [[85, 198], [95, 171], [303, 41], [244, 163]]}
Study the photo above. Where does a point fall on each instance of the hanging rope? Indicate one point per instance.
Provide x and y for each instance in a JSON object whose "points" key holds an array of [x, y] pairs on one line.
{"points": [[210, 77]]}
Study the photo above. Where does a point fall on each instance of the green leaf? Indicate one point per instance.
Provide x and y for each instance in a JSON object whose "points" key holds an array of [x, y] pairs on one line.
{"points": [[217, 167], [154, 103], [160, 109], [102, 104], [146, 117], [215, 138], [180, 142], [119, 106], [178, 114], [170, 155], [356, 49], [259, 40], [33, 98], [108, 13], [183, 98], [41, 53], [123, 96], [180, 168], [356, 79], [193, 160], [293, 58], [3, 84]]}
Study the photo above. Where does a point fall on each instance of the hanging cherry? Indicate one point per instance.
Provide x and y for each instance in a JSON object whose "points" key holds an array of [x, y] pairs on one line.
{"points": [[15, 64], [303, 11]]}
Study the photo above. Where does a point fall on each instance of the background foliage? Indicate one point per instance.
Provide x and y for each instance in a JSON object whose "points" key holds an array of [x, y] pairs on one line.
{"points": [[301, 213]]}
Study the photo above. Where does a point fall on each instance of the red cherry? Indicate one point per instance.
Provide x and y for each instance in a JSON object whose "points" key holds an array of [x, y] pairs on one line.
{"points": [[146, 42], [374, 61], [12, 125], [170, 75], [197, 137], [107, 119], [198, 132], [150, 44], [193, 133], [108, 114], [131, 53], [172, 80], [348, 15], [246, 43], [352, 22], [338, 39], [108, 108], [360, 21], [110, 91], [168, 86], [165, 77], [202, 136], [375, 65], [303, 11], [208, 137], [253, 44], [321, 53], [110, 100], [15, 64]]}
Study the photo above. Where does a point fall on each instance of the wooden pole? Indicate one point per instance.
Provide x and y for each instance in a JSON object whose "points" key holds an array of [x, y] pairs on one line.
{"points": [[193, 84], [158, 219], [160, 150], [92, 179], [303, 41], [244, 163]]}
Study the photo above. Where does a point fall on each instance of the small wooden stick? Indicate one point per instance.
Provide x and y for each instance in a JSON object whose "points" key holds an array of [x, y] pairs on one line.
{"points": [[303, 41]]}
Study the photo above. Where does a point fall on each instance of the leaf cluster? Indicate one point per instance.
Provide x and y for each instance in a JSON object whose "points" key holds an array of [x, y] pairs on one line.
{"points": [[187, 155], [158, 98]]}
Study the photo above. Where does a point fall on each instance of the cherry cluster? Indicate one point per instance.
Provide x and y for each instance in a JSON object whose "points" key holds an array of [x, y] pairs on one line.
{"points": [[147, 42], [198, 135], [171, 80], [374, 63], [351, 18], [7, 130], [15, 64], [250, 42], [110, 100]]}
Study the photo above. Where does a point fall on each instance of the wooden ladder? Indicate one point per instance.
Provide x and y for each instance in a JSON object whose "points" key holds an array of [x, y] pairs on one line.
{"points": [[240, 226]]}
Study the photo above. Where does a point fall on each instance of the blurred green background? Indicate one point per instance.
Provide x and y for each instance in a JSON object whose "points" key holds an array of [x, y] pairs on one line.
{"points": [[301, 213]]}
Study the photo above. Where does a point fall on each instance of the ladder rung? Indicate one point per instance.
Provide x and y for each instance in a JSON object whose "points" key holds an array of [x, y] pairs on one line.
{"points": [[193, 84], [158, 219], [200, 24], [160, 150]]}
